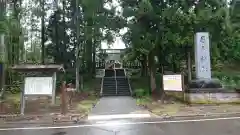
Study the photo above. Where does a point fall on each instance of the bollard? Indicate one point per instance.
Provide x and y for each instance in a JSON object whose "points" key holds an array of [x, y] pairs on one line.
{"points": [[63, 99]]}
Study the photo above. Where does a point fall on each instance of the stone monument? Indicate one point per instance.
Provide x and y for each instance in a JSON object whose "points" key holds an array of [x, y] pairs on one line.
{"points": [[204, 89], [202, 56], [203, 63]]}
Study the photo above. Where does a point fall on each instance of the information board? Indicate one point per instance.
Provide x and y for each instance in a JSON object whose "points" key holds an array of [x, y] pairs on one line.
{"points": [[38, 86], [172, 82]]}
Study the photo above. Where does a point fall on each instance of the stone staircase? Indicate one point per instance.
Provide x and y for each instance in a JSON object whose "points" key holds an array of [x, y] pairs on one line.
{"points": [[109, 83], [123, 88], [115, 83]]}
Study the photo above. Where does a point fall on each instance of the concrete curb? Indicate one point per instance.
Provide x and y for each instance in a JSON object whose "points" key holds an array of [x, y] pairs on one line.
{"points": [[198, 115], [166, 116], [42, 122], [41, 119], [83, 120]]}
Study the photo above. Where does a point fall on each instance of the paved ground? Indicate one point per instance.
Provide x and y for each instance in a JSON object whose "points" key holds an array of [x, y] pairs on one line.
{"points": [[109, 106], [216, 126], [116, 105]]}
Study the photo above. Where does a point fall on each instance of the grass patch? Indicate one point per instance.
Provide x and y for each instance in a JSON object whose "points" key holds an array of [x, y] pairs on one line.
{"points": [[15, 98], [85, 106], [208, 102], [144, 101], [158, 108], [170, 109]]}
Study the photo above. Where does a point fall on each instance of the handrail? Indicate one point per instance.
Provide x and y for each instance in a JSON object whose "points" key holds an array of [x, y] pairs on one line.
{"points": [[115, 80], [125, 72], [128, 82], [102, 84], [102, 87]]}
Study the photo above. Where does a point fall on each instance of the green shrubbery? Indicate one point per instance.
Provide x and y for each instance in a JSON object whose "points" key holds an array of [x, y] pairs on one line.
{"points": [[140, 92], [229, 80]]}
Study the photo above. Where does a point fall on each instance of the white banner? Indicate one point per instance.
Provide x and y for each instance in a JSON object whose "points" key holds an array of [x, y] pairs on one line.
{"points": [[38, 86], [172, 82]]}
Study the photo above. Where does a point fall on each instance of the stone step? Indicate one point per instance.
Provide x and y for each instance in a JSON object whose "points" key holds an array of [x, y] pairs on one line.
{"points": [[123, 91], [121, 87], [120, 72], [109, 73], [111, 83], [109, 88], [122, 84], [106, 92], [104, 81]]}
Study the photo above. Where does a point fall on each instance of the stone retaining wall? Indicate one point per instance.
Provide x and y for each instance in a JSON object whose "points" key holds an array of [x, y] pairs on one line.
{"points": [[219, 96], [100, 73]]}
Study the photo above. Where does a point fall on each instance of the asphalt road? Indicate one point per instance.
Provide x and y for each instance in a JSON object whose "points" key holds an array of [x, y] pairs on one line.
{"points": [[212, 126]]}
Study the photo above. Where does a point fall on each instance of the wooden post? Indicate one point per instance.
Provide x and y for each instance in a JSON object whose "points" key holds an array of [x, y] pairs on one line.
{"points": [[63, 98], [183, 87], [54, 88], [23, 99], [163, 91]]}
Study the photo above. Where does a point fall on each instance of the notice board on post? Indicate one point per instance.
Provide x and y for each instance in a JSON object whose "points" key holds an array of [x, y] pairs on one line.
{"points": [[38, 86], [173, 83]]}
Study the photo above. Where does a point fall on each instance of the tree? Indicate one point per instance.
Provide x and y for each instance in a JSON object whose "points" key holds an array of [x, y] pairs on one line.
{"points": [[168, 28]]}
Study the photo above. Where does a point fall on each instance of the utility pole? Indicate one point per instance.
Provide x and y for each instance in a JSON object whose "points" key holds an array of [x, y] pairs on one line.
{"points": [[77, 46]]}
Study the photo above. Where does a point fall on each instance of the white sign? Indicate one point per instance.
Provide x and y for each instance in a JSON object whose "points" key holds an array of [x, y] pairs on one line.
{"points": [[202, 56], [172, 82], [38, 86]]}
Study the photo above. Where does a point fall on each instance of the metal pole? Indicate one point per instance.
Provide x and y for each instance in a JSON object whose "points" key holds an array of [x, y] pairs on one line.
{"points": [[77, 47]]}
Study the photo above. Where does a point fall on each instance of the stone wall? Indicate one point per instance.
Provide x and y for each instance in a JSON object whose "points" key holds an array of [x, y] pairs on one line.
{"points": [[100, 73], [213, 96], [131, 73]]}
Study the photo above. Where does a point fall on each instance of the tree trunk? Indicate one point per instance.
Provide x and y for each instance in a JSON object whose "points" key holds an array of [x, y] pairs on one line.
{"points": [[143, 66], [17, 48], [42, 32], [77, 61], [64, 32], [152, 71], [174, 64], [2, 10], [3, 63], [189, 64], [89, 47], [94, 59], [56, 36]]}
